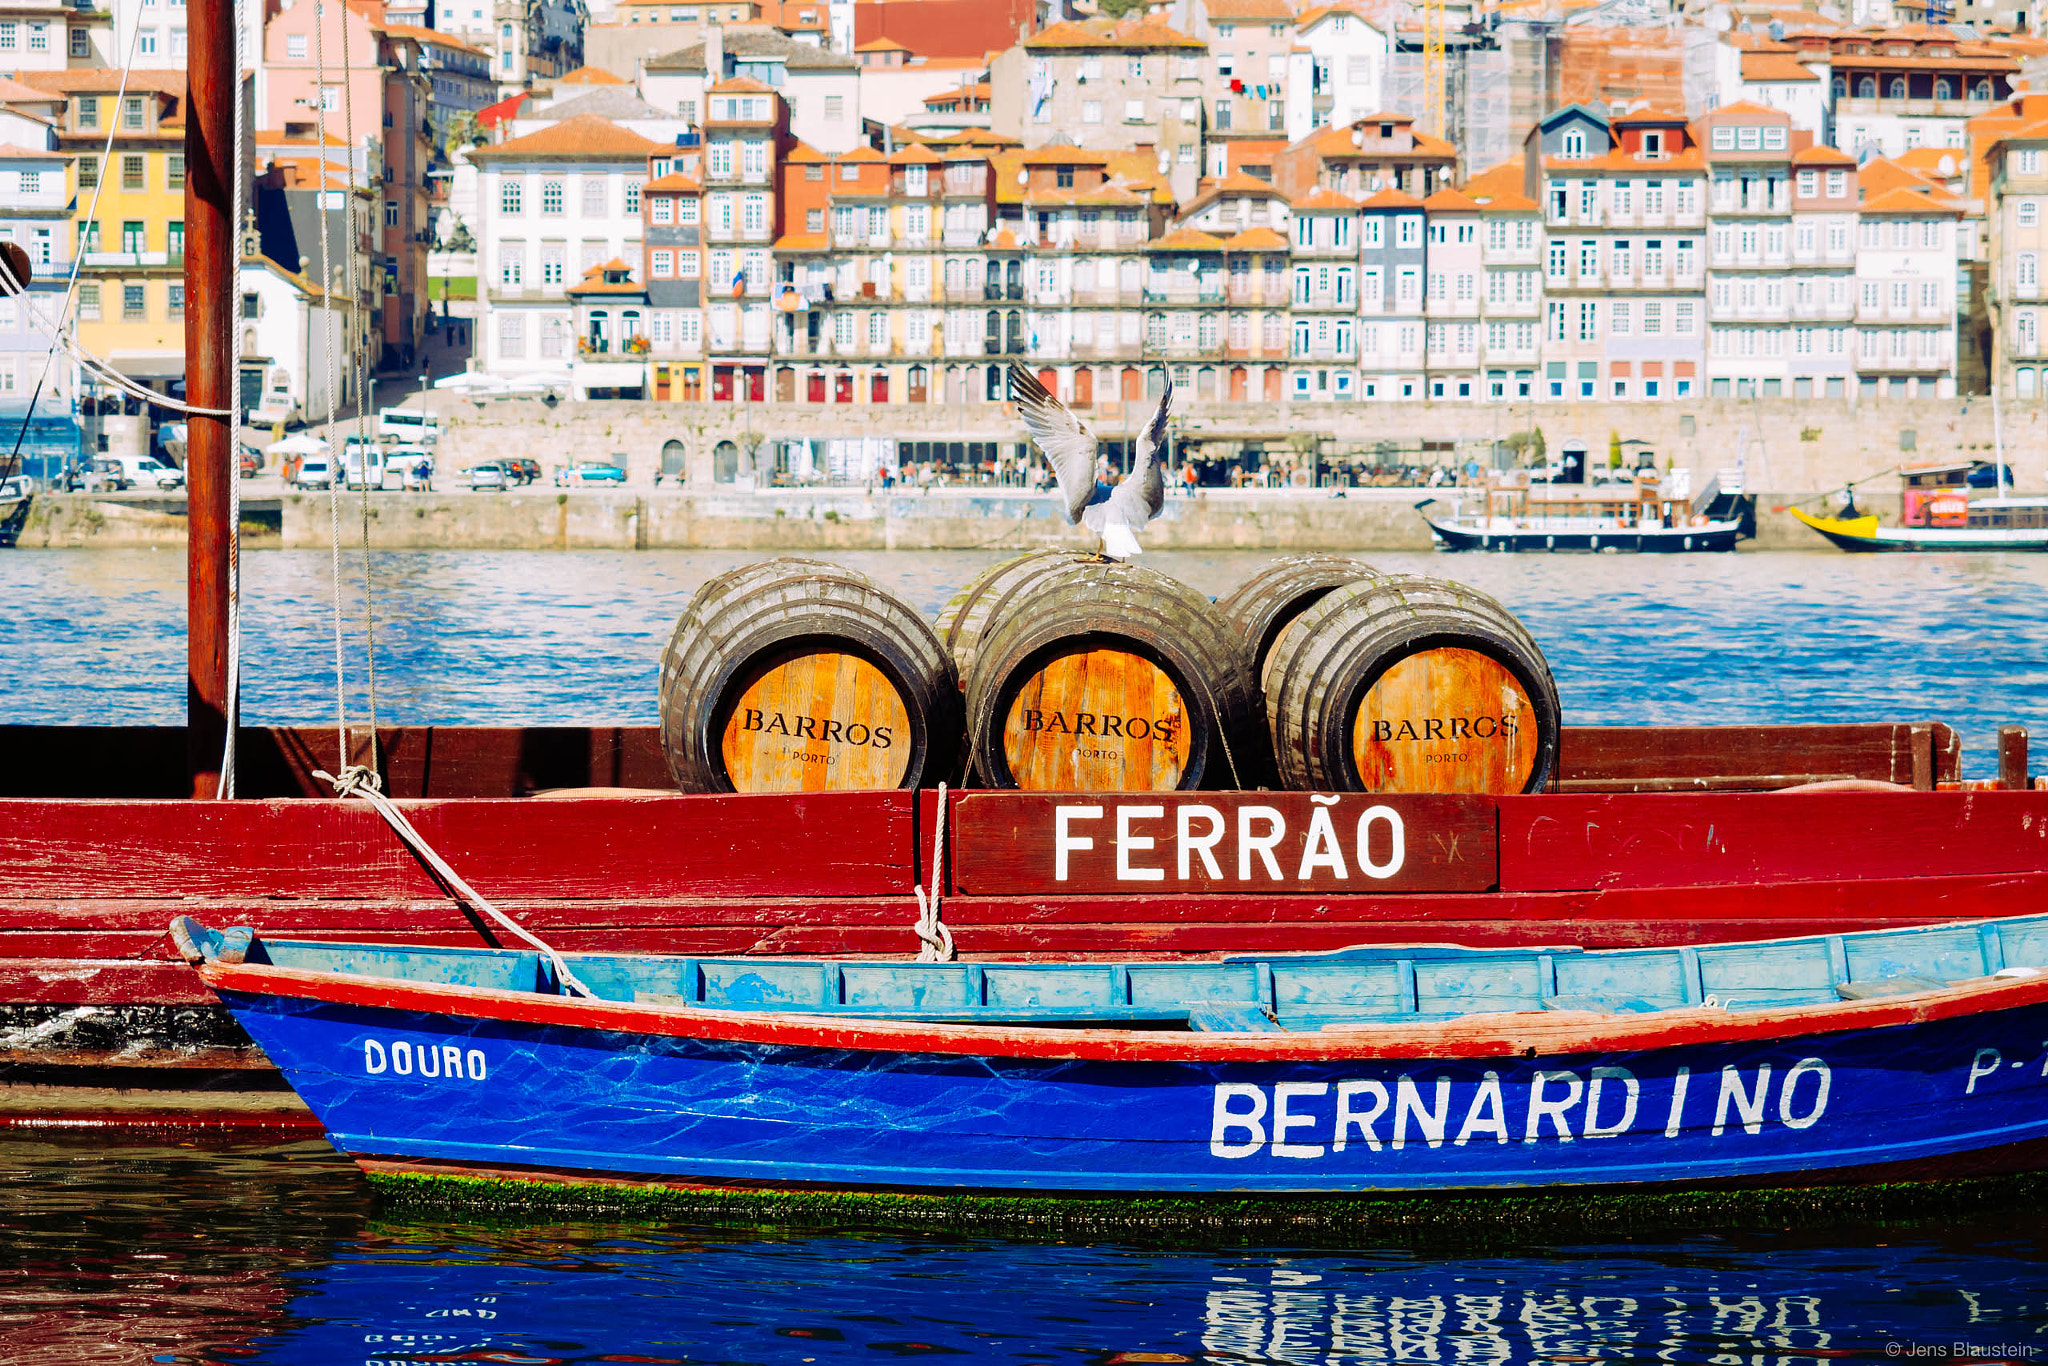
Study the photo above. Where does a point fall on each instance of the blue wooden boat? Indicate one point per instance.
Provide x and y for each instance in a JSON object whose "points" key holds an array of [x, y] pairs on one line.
{"points": [[1889, 1055]]}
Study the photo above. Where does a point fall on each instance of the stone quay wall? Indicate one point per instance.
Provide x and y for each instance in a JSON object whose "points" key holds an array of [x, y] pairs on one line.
{"points": [[1791, 452]]}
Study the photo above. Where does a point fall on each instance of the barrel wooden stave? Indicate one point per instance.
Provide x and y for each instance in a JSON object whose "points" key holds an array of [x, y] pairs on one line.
{"points": [[1269, 604], [1083, 629], [1276, 595], [1346, 665], [827, 661], [967, 615]]}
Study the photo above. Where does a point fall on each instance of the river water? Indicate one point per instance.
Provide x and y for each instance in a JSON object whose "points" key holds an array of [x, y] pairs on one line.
{"points": [[540, 637], [277, 1254]]}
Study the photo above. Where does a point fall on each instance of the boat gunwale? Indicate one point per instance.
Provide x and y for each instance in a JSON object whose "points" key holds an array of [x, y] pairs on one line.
{"points": [[1485, 1035]]}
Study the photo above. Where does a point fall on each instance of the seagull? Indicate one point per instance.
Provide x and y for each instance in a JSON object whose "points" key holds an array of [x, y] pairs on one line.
{"points": [[1116, 514]]}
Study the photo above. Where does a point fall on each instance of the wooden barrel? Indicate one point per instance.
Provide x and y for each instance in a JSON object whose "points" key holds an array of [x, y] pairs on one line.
{"points": [[1098, 676], [1405, 684], [795, 675], [1269, 604], [967, 614], [1273, 599]]}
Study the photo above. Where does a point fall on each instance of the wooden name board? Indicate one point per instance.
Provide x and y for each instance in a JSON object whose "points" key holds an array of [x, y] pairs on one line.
{"points": [[1091, 842]]}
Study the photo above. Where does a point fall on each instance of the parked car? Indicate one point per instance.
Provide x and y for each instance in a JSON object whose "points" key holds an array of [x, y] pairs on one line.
{"points": [[147, 472], [522, 470], [591, 472], [314, 472], [93, 476], [491, 476]]}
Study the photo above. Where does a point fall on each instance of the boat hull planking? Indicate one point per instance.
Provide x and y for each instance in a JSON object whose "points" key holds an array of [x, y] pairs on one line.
{"points": [[467, 1078]]}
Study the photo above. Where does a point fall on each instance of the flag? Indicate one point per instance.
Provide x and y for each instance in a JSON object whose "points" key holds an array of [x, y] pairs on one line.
{"points": [[739, 283]]}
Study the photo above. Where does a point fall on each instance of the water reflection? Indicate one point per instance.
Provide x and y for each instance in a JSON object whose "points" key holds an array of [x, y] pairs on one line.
{"points": [[278, 1255]]}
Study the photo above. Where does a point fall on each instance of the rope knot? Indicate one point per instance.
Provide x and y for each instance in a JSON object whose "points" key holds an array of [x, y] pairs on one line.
{"points": [[355, 781]]}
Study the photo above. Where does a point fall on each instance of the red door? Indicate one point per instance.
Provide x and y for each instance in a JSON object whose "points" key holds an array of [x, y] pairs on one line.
{"points": [[814, 387], [1134, 386], [1050, 379], [1272, 386], [1084, 387], [1237, 384]]}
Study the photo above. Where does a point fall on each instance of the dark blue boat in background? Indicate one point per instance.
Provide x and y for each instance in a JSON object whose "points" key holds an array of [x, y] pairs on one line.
{"points": [[1891, 1055]]}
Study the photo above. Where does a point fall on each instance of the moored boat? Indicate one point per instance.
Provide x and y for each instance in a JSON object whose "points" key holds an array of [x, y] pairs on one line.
{"points": [[1642, 515], [1953, 505], [1412, 1068], [1991, 524]]}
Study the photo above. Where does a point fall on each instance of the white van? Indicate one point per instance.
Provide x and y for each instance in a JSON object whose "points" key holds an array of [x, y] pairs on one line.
{"points": [[314, 472], [409, 426], [362, 463], [147, 472]]}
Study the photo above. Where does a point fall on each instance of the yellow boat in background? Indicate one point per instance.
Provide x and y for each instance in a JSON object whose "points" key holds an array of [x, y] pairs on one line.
{"points": [[1993, 524]]}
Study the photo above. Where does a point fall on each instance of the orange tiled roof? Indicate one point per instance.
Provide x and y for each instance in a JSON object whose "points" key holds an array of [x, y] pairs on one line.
{"points": [[740, 85], [1323, 198], [1498, 189], [1268, 10], [1256, 239], [585, 137], [1448, 200], [1648, 115], [1817, 155], [801, 241], [673, 181], [1900, 202], [915, 155], [1775, 66], [1188, 239], [1082, 34]]}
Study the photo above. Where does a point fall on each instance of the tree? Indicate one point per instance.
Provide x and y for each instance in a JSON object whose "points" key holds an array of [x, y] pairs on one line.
{"points": [[1529, 447], [459, 239], [464, 132], [1614, 448]]}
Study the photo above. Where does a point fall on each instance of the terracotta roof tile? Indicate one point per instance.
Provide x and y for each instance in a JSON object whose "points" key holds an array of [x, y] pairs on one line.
{"points": [[1081, 34], [1256, 239], [673, 181], [584, 138], [1817, 155], [740, 85], [1894, 203], [1775, 66], [1187, 239], [1448, 200], [1323, 198], [590, 75], [1268, 10]]}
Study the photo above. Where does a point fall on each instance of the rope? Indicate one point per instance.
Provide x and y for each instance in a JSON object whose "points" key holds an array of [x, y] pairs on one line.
{"points": [[363, 783], [937, 945], [237, 207]]}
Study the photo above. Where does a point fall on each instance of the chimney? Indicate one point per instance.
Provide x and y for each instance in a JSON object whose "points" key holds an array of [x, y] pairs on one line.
{"points": [[714, 53]]}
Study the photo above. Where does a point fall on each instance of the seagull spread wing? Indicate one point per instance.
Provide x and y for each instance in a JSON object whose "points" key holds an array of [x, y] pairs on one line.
{"points": [[1069, 447], [1140, 498]]}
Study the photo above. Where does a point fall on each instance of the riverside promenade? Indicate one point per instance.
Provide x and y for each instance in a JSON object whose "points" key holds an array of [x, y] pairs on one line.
{"points": [[687, 464]]}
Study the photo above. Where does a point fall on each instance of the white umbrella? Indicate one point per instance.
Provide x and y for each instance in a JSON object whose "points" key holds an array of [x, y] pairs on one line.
{"points": [[298, 443]]}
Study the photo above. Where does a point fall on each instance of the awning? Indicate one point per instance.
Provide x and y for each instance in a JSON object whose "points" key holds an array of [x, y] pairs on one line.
{"points": [[149, 364]]}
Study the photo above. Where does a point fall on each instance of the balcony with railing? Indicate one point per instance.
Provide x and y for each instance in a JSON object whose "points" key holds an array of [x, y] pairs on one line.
{"points": [[1183, 294]]}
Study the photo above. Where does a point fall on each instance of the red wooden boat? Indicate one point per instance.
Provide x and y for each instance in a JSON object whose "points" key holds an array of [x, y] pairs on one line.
{"points": [[1648, 836]]}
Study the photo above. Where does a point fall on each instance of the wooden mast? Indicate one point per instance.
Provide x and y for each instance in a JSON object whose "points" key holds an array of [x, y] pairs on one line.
{"points": [[210, 234]]}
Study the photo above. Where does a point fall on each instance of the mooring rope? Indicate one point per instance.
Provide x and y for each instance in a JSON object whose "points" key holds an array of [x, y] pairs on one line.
{"points": [[360, 782], [937, 945]]}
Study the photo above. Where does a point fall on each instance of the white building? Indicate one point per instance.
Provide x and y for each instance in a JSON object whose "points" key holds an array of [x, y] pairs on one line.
{"points": [[822, 89], [1906, 304], [1773, 76], [1452, 294], [1823, 279], [554, 206], [1339, 70], [295, 339]]}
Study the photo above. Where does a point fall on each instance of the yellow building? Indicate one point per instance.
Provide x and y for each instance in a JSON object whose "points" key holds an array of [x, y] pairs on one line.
{"points": [[131, 293]]}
